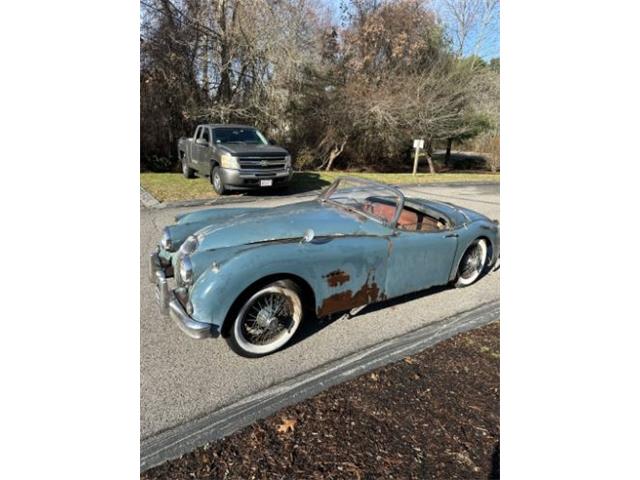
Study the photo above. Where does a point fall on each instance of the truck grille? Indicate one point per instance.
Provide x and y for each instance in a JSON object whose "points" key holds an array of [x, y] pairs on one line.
{"points": [[257, 163]]}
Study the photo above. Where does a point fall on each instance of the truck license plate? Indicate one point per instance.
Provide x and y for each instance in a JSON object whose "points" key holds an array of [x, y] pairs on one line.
{"points": [[266, 183]]}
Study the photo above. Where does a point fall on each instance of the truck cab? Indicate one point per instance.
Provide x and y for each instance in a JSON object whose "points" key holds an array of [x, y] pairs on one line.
{"points": [[234, 157]]}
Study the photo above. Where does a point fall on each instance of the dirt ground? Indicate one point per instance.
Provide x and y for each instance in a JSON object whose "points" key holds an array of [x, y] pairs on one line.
{"points": [[432, 415]]}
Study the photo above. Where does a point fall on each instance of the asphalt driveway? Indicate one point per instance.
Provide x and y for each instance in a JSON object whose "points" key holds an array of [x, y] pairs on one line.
{"points": [[182, 379]]}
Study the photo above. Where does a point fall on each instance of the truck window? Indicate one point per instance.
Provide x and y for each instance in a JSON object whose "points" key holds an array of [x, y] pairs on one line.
{"points": [[240, 135], [198, 132], [205, 134]]}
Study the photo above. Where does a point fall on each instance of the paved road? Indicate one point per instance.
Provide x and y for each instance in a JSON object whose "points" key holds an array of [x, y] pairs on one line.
{"points": [[182, 379]]}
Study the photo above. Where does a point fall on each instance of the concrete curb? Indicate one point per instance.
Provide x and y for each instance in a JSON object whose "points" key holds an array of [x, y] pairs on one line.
{"points": [[184, 438], [148, 200], [243, 198]]}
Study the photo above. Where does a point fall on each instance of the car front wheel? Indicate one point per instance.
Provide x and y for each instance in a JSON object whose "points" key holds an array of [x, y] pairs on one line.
{"points": [[267, 320]]}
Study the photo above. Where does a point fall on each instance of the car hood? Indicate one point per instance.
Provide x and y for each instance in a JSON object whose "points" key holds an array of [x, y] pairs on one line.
{"points": [[242, 150], [216, 228]]}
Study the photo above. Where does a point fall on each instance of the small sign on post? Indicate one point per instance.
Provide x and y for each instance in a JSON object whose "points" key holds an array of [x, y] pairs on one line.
{"points": [[418, 143]]}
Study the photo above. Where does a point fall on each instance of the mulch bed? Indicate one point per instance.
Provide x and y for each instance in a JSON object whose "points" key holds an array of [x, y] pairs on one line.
{"points": [[433, 415]]}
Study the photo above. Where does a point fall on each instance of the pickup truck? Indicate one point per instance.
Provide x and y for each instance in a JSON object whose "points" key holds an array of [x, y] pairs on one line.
{"points": [[234, 157]]}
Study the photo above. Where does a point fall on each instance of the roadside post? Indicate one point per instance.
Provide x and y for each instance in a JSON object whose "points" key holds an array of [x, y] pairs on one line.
{"points": [[418, 144]]}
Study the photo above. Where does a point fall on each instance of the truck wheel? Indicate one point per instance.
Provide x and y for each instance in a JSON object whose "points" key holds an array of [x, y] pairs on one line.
{"points": [[186, 170], [217, 182]]}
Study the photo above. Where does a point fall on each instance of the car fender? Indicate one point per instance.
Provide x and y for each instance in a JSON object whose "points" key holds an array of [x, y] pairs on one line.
{"points": [[339, 276], [470, 232]]}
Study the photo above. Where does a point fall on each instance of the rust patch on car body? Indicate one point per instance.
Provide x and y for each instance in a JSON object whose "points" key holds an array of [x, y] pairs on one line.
{"points": [[339, 302], [337, 278]]}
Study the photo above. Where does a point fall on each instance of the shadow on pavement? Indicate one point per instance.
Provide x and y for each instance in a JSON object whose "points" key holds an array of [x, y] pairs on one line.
{"points": [[301, 182], [313, 325]]}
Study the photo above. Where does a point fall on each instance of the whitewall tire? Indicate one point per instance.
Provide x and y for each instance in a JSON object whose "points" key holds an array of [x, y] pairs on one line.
{"points": [[473, 263], [267, 320]]}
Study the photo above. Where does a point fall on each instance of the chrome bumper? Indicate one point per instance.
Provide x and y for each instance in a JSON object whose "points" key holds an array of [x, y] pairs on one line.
{"points": [[157, 275], [170, 304], [246, 178]]}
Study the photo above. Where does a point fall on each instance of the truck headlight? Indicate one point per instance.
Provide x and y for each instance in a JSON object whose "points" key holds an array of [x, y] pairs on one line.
{"points": [[287, 161], [186, 270], [229, 161], [167, 241]]}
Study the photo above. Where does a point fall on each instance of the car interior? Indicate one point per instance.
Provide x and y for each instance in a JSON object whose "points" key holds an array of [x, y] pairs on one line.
{"points": [[412, 217]]}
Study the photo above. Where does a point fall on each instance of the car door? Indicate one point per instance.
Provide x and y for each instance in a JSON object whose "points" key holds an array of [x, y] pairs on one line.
{"points": [[419, 260]]}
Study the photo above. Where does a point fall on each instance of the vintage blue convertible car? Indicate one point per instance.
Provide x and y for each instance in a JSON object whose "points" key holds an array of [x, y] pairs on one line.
{"points": [[253, 275]]}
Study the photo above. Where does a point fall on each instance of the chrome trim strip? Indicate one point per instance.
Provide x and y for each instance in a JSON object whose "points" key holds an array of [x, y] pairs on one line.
{"points": [[255, 174], [263, 170]]}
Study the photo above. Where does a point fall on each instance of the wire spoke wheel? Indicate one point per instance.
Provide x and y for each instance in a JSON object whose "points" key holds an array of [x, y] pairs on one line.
{"points": [[473, 263], [268, 319]]}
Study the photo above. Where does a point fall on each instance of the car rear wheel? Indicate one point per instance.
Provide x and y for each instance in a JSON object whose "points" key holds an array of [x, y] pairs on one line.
{"points": [[217, 181], [472, 263], [267, 320]]}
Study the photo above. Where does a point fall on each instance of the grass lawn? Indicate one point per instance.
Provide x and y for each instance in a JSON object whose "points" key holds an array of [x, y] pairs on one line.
{"points": [[169, 187]]}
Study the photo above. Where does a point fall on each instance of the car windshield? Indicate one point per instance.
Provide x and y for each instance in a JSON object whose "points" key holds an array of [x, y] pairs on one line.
{"points": [[239, 135], [375, 200]]}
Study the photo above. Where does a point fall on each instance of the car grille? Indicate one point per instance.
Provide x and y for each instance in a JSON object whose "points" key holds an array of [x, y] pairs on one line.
{"points": [[258, 163]]}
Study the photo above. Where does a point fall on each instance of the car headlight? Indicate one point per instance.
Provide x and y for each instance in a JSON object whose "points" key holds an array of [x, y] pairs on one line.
{"points": [[186, 270], [229, 161], [287, 161], [189, 245], [167, 241]]}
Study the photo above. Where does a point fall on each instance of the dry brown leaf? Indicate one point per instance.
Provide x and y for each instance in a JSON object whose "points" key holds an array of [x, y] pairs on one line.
{"points": [[374, 377], [409, 360], [288, 424]]}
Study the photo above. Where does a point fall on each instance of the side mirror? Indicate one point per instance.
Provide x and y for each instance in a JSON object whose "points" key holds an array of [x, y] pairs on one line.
{"points": [[202, 141]]}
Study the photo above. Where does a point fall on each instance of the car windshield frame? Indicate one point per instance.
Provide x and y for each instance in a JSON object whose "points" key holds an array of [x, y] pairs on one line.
{"points": [[257, 132], [325, 197]]}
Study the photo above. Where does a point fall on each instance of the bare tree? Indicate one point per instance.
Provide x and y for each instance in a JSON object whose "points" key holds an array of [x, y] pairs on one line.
{"points": [[352, 95], [222, 60], [470, 23]]}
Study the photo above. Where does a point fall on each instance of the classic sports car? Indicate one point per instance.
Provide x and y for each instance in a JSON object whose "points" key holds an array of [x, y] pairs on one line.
{"points": [[253, 275]]}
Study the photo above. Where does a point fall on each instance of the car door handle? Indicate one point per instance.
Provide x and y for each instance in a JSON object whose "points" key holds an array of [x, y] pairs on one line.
{"points": [[451, 235]]}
